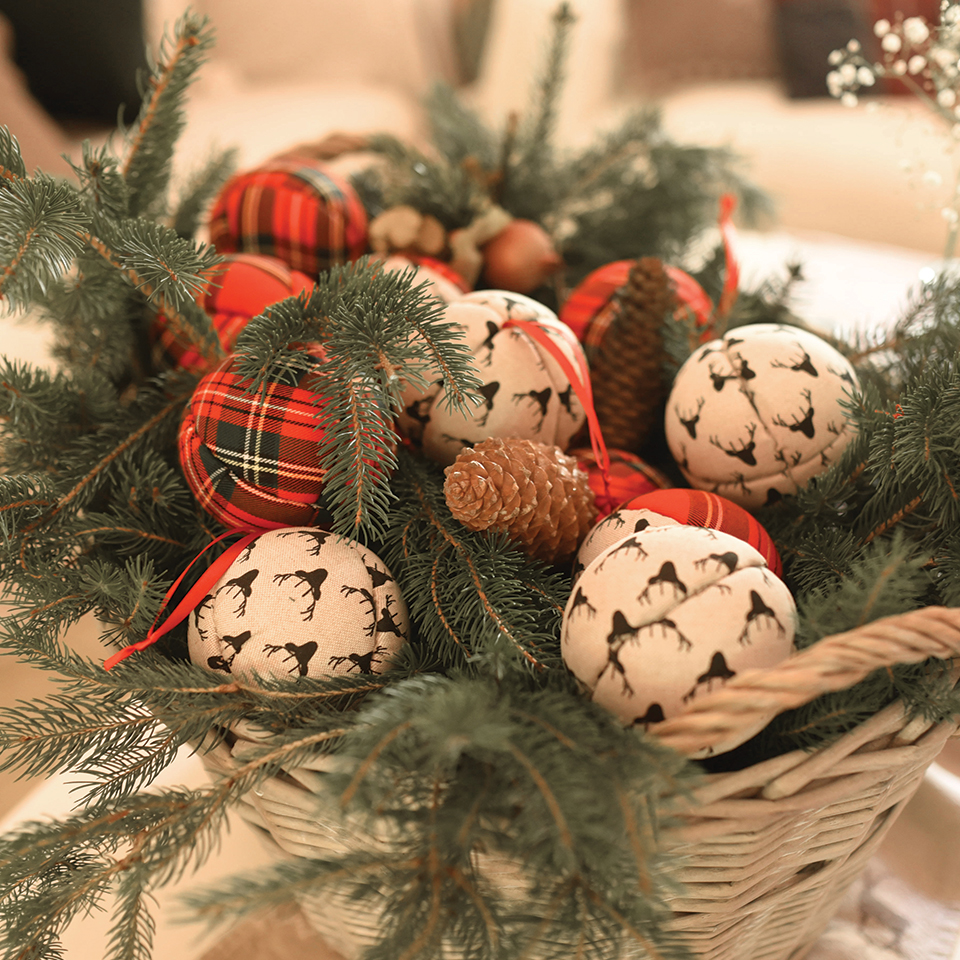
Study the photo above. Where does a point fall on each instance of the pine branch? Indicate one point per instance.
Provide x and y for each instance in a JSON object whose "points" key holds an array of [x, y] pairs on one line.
{"points": [[146, 167], [200, 191], [12, 166], [41, 218]]}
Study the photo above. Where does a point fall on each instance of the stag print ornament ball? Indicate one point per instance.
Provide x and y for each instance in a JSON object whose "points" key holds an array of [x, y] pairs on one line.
{"points": [[300, 602], [757, 414], [525, 392], [664, 615]]}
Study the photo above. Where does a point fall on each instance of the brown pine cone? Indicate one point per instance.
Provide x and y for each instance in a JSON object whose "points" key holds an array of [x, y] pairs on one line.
{"points": [[536, 493], [625, 364]]}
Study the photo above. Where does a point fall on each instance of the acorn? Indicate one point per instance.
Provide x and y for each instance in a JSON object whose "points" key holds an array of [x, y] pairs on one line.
{"points": [[521, 257]]}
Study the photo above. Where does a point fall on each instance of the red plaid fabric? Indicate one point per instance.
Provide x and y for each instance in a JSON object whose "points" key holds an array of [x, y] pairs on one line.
{"points": [[629, 475], [698, 508], [251, 461], [242, 287], [593, 306], [293, 210], [594, 294]]}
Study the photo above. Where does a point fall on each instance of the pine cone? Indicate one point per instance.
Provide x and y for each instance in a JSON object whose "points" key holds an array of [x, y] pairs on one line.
{"points": [[625, 364], [535, 493]]}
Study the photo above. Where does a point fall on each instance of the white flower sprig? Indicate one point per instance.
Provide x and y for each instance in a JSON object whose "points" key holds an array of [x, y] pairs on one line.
{"points": [[925, 58]]}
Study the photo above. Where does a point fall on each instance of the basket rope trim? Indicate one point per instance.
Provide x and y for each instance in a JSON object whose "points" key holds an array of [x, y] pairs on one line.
{"points": [[750, 700]]}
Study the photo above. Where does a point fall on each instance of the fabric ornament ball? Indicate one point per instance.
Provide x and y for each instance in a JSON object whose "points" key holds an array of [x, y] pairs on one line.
{"points": [[525, 392], [252, 460], [699, 508], [759, 413], [629, 476], [300, 602], [521, 257], [443, 282], [592, 305], [240, 288], [293, 209], [667, 614]]}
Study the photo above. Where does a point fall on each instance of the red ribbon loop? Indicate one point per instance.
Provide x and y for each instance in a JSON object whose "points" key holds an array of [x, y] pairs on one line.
{"points": [[731, 283], [580, 381], [194, 595]]}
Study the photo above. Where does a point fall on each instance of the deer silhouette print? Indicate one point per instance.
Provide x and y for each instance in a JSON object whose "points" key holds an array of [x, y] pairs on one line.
{"points": [[385, 623], [566, 399], [541, 401], [378, 577], [844, 375], [718, 670], [654, 714], [244, 587], [313, 580], [319, 538], [492, 330], [746, 450], [759, 611], [362, 661], [666, 625], [301, 653], [620, 632], [690, 420], [244, 554], [488, 391], [728, 560], [580, 600], [803, 365], [197, 610], [720, 379], [743, 368], [666, 577], [419, 411], [237, 642], [631, 544], [804, 426]]}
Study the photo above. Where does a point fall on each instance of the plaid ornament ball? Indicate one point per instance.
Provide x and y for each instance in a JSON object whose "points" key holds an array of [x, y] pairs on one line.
{"points": [[240, 288], [251, 459], [294, 210]]}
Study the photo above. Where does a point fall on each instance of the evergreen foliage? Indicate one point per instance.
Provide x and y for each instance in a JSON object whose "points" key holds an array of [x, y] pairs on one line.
{"points": [[477, 741], [634, 193]]}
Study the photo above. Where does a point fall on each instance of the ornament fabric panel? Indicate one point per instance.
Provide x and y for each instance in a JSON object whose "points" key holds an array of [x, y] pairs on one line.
{"points": [[443, 283], [300, 602], [240, 288], [757, 414], [668, 613], [251, 460], [525, 392], [294, 209]]}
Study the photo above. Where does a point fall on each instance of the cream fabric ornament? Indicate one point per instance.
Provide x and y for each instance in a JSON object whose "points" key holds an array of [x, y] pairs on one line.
{"points": [[619, 524], [525, 393], [438, 285], [757, 414], [300, 601], [668, 613]]}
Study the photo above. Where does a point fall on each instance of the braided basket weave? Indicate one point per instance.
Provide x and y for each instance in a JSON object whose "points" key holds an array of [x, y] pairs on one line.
{"points": [[767, 852]]}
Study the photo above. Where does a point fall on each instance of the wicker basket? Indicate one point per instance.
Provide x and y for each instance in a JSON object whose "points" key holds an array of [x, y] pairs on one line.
{"points": [[767, 851]]}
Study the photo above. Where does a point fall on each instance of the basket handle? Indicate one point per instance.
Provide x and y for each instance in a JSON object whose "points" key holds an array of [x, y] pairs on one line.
{"points": [[750, 700]]}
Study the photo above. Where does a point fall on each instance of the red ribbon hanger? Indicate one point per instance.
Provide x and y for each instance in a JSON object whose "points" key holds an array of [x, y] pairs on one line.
{"points": [[580, 381], [194, 595]]}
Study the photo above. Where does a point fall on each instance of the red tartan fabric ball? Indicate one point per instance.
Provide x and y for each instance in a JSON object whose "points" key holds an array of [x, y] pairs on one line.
{"points": [[251, 460], [240, 288], [592, 306], [629, 477], [294, 210], [698, 508]]}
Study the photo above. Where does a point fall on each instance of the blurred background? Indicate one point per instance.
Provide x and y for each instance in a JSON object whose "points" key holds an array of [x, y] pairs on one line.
{"points": [[744, 73]]}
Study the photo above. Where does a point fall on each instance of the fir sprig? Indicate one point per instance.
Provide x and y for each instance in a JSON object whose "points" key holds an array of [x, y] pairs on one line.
{"points": [[379, 335], [12, 166], [150, 142]]}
